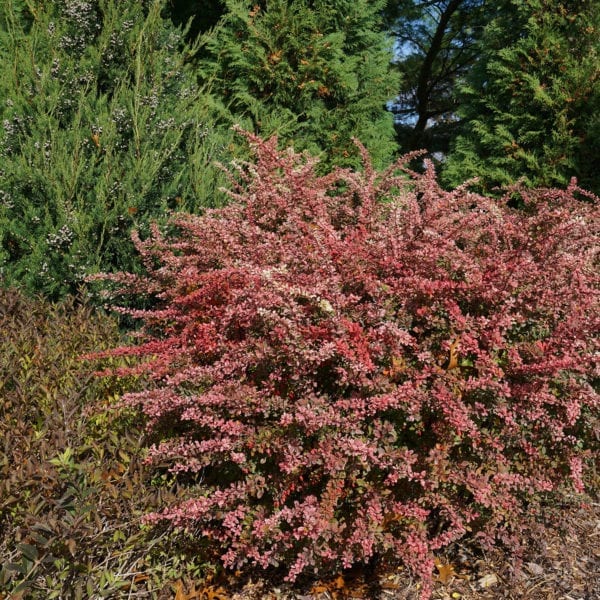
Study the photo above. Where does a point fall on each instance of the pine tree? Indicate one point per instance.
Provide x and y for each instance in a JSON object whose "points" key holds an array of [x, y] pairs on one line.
{"points": [[315, 72], [437, 47], [103, 128], [532, 104]]}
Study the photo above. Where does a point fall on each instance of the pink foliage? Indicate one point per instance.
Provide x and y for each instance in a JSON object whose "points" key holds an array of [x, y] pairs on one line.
{"points": [[363, 364]]}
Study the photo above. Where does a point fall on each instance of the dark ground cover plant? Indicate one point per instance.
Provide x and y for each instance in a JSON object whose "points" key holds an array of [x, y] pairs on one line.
{"points": [[72, 484], [364, 367]]}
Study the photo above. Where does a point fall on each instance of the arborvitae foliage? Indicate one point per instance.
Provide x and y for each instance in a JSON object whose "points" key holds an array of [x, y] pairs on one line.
{"points": [[532, 105], [316, 72], [344, 378], [103, 125]]}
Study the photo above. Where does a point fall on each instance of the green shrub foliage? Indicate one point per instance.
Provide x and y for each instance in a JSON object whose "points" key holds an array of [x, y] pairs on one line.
{"points": [[103, 126], [316, 73], [349, 378], [531, 105]]}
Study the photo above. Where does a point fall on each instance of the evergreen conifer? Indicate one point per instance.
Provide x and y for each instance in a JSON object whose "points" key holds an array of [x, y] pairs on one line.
{"points": [[531, 107], [437, 47], [315, 72], [103, 128]]}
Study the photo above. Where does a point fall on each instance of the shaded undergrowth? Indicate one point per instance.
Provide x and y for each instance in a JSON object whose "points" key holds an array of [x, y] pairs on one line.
{"points": [[73, 485]]}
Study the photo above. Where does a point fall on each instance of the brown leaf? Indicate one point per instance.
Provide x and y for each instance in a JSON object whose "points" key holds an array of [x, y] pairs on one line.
{"points": [[319, 588], [213, 593], [453, 355], [179, 593], [445, 572]]}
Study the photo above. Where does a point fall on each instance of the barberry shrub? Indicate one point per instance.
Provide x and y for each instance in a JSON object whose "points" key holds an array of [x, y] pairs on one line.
{"points": [[362, 365]]}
